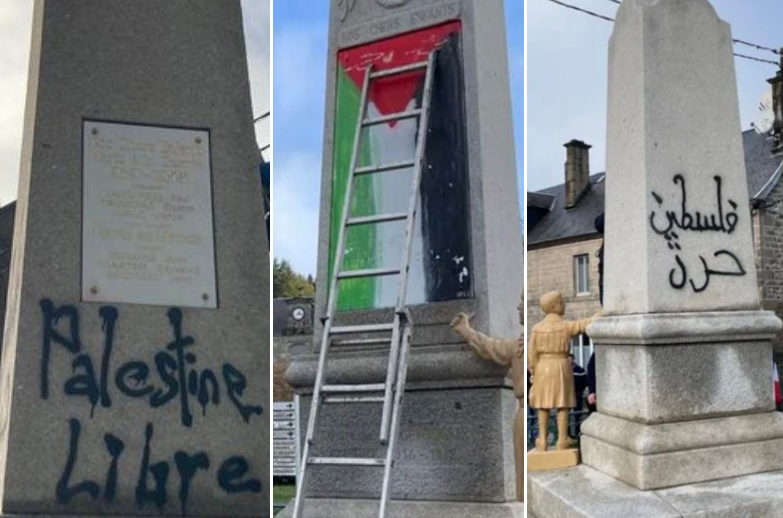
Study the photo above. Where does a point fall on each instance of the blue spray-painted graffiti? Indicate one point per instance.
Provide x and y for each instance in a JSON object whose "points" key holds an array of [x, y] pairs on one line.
{"points": [[179, 379]]}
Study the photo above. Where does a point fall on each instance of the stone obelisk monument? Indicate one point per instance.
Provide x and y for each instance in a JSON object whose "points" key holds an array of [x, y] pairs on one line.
{"points": [[683, 355], [135, 374], [455, 454]]}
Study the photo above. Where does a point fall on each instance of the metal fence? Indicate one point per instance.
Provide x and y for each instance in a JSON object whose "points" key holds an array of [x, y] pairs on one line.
{"points": [[575, 419]]}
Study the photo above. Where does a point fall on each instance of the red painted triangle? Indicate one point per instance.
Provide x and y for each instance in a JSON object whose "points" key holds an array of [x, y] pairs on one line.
{"points": [[394, 94]]}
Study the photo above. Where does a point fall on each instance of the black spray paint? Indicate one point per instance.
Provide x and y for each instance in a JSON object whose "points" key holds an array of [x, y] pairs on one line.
{"points": [[723, 219], [179, 380]]}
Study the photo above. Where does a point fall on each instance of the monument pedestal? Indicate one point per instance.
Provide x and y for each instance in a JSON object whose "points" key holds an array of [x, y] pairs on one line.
{"points": [[553, 459], [456, 437], [329, 508], [675, 405], [584, 492]]}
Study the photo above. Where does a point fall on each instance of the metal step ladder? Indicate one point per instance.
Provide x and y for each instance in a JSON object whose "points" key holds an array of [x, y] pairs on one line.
{"points": [[391, 392]]}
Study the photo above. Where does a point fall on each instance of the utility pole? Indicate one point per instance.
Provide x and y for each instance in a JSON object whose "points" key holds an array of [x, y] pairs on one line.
{"points": [[777, 105]]}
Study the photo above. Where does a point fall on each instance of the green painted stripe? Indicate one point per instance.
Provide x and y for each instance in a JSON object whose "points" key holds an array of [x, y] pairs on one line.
{"points": [[362, 241]]}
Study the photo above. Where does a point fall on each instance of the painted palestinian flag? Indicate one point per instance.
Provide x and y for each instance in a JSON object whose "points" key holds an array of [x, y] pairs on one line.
{"points": [[380, 245]]}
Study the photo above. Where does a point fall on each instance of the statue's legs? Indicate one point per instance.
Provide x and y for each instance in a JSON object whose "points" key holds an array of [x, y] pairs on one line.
{"points": [[563, 440], [543, 420], [520, 446]]}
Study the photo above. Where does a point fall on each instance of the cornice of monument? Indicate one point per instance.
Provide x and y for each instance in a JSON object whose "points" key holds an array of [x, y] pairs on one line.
{"points": [[685, 328]]}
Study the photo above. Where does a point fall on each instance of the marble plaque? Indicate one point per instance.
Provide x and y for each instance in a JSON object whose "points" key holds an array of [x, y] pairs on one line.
{"points": [[147, 227]]}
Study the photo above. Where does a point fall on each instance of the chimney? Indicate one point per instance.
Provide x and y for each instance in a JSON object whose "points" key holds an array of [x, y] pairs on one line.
{"points": [[777, 106], [577, 172]]}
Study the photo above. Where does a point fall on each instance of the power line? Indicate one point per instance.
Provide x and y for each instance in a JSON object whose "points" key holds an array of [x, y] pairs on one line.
{"points": [[585, 11], [757, 59], [260, 117], [741, 42], [759, 47]]}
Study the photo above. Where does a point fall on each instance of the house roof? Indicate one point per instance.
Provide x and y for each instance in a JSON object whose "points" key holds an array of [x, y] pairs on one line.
{"points": [[764, 170]]}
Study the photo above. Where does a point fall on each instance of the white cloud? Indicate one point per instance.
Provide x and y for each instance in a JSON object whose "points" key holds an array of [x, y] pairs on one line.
{"points": [[257, 39], [295, 211], [15, 33]]}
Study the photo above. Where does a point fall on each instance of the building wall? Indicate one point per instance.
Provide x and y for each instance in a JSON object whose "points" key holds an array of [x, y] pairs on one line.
{"points": [[552, 268], [768, 238]]}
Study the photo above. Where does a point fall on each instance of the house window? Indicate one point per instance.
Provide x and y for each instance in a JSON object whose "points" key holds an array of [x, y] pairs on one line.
{"points": [[582, 274]]}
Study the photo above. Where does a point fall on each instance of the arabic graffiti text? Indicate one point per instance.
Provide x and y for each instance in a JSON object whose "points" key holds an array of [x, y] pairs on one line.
{"points": [[674, 225]]}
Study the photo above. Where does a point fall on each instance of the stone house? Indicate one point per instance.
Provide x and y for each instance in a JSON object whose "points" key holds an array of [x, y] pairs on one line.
{"points": [[562, 241]]}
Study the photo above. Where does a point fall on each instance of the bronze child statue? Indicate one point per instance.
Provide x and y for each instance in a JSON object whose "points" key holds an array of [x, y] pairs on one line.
{"points": [[550, 368], [509, 353]]}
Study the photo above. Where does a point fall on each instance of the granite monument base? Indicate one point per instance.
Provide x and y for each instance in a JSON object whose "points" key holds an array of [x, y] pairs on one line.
{"points": [[454, 445], [151, 513], [584, 492], [675, 404], [673, 454], [330, 508], [456, 430]]}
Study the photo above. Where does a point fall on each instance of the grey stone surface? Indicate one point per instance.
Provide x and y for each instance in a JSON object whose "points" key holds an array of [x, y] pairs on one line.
{"points": [[665, 383], [689, 435], [454, 445], [180, 63], [656, 106], [583, 492], [429, 367], [331, 508], [681, 467], [685, 328]]}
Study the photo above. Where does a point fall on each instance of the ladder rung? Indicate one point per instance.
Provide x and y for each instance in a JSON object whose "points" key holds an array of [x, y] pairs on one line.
{"points": [[347, 400], [383, 168], [367, 328], [410, 114], [399, 70], [357, 274], [362, 341], [379, 218], [353, 389], [347, 461]]}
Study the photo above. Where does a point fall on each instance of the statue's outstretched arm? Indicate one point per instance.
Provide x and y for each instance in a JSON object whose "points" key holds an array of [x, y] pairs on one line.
{"points": [[497, 350]]}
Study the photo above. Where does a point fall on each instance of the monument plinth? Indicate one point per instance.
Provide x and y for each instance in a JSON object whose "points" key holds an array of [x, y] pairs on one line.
{"points": [[135, 368], [456, 441], [683, 355]]}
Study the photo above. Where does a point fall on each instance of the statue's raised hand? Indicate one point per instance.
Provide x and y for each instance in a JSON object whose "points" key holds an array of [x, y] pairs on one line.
{"points": [[461, 323]]}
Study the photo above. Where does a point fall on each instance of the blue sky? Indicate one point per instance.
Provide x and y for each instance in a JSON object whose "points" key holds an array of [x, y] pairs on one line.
{"points": [[300, 50], [567, 71]]}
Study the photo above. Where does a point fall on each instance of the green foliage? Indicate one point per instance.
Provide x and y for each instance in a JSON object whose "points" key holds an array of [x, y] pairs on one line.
{"points": [[288, 283]]}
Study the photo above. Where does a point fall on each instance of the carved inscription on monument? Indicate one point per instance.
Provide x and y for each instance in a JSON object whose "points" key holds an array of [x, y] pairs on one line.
{"points": [[405, 21], [695, 267], [147, 216]]}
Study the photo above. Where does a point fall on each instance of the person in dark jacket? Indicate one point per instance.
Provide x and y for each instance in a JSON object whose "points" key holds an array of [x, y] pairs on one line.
{"points": [[580, 383], [591, 398], [599, 227]]}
